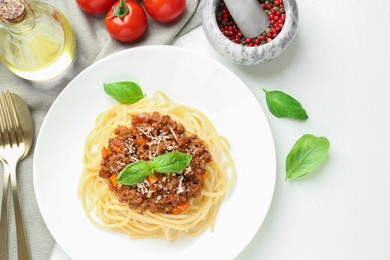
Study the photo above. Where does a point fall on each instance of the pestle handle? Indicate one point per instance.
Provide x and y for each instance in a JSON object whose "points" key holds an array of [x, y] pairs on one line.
{"points": [[250, 18]]}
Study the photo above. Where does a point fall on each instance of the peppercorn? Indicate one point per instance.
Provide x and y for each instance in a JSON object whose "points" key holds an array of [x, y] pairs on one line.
{"points": [[276, 14]]}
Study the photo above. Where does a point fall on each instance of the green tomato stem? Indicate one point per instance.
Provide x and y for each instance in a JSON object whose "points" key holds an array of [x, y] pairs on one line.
{"points": [[122, 10]]}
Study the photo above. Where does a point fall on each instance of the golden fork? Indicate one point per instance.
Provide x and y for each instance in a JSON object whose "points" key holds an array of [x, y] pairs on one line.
{"points": [[12, 149]]}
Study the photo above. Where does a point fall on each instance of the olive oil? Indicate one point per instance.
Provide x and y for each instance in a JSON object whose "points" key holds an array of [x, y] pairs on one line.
{"points": [[40, 46]]}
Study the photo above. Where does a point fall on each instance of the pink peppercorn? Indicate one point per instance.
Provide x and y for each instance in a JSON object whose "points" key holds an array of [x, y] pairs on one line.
{"points": [[276, 14]]}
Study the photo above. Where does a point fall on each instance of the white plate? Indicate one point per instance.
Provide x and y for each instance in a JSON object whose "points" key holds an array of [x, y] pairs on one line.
{"points": [[189, 79]]}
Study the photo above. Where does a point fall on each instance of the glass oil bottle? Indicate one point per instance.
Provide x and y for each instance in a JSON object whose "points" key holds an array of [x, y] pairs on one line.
{"points": [[36, 40]]}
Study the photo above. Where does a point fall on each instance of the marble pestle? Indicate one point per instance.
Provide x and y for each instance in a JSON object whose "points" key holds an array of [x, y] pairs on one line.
{"points": [[249, 16]]}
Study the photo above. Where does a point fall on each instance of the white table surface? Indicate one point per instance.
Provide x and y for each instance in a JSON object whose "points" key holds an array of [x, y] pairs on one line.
{"points": [[338, 68]]}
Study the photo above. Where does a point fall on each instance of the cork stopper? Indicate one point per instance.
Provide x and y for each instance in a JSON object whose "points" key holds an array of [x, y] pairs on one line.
{"points": [[12, 11]]}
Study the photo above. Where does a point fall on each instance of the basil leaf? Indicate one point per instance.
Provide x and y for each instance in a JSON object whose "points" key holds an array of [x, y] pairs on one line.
{"points": [[282, 105], [135, 173], [306, 155], [126, 92], [173, 162]]}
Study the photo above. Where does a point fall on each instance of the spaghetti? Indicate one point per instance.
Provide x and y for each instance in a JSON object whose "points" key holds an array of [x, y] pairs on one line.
{"points": [[102, 205]]}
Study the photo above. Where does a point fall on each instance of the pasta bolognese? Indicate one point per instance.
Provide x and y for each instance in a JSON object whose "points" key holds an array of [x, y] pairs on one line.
{"points": [[160, 205]]}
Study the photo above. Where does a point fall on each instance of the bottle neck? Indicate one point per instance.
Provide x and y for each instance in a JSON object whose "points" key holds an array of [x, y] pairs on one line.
{"points": [[20, 21]]}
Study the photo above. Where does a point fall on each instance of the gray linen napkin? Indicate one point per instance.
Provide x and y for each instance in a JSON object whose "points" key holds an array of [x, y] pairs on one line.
{"points": [[93, 43]]}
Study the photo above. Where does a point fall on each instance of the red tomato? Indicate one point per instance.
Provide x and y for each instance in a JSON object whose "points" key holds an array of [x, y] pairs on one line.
{"points": [[165, 10], [129, 27], [95, 6]]}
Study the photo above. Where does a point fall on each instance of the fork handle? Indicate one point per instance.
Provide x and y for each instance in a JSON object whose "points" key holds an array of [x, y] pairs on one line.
{"points": [[4, 216], [23, 248]]}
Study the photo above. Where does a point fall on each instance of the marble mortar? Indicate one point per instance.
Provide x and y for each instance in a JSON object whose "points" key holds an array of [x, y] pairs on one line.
{"points": [[249, 55]]}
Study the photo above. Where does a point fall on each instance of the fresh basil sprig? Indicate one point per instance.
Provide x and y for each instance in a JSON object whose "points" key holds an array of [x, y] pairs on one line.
{"points": [[173, 162], [281, 104], [306, 155], [126, 92], [135, 173]]}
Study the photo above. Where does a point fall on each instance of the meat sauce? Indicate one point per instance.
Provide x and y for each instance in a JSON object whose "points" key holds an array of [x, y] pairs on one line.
{"points": [[149, 136]]}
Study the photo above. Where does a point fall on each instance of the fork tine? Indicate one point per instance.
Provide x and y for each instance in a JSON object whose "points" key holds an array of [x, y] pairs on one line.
{"points": [[14, 131], [15, 125], [6, 120], [3, 122]]}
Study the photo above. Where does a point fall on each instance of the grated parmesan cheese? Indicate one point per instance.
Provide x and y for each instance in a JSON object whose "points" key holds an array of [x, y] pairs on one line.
{"points": [[187, 170], [142, 186], [173, 133], [134, 158], [194, 151], [129, 148], [156, 140], [179, 189]]}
